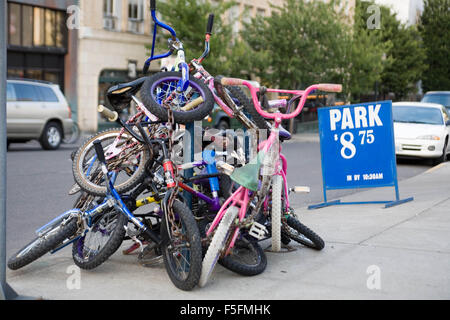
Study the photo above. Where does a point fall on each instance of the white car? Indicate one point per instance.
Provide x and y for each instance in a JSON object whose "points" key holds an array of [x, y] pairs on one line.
{"points": [[37, 110], [421, 130]]}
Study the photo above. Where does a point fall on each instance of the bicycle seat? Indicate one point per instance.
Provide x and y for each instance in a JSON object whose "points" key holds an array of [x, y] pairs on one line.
{"points": [[284, 134], [119, 96]]}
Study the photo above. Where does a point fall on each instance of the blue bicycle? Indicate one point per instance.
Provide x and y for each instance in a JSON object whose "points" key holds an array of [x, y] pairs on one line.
{"points": [[178, 238]]}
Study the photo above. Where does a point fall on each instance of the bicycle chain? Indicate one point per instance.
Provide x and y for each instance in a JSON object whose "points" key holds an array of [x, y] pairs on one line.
{"points": [[175, 230]]}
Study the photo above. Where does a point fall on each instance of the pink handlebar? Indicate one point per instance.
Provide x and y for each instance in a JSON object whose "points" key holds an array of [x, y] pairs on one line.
{"points": [[328, 87], [231, 82], [281, 116]]}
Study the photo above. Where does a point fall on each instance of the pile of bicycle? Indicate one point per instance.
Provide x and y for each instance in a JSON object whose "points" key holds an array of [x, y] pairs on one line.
{"points": [[193, 214]]}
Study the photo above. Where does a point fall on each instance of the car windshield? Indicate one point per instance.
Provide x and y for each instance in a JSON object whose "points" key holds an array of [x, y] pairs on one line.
{"points": [[443, 99], [423, 115]]}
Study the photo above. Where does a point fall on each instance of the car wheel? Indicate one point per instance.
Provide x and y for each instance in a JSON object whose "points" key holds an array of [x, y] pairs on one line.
{"points": [[52, 136], [444, 155]]}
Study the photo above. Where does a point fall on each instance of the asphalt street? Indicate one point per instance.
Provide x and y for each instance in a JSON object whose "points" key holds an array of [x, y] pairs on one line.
{"points": [[38, 183]]}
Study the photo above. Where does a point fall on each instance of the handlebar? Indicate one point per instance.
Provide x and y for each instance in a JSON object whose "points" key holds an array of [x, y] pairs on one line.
{"points": [[327, 87], [155, 30], [210, 24]]}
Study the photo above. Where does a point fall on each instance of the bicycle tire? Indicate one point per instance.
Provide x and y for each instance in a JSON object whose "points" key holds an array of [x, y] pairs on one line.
{"points": [[197, 114], [194, 253], [276, 213], [255, 265], [89, 258], [217, 244], [239, 94], [43, 244], [74, 136], [99, 190], [304, 235]]}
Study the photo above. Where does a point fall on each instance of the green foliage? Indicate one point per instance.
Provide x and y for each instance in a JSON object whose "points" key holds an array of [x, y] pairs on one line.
{"points": [[403, 59], [435, 31]]}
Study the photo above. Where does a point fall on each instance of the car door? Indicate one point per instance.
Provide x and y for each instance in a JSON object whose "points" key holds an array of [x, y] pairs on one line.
{"points": [[51, 105], [28, 110]]}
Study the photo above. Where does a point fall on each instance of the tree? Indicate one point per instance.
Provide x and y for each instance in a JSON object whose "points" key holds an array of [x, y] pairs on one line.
{"points": [[404, 55], [310, 42], [435, 30]]}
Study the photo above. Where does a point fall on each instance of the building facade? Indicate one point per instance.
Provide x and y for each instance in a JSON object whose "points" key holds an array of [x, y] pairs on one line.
{"points": [[39, 44], [86, 46]]}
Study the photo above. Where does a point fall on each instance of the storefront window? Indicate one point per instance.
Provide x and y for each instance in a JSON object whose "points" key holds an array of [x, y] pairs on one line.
{"points": [[27, 26], [50, 28], [39, 27], [14, 24]]}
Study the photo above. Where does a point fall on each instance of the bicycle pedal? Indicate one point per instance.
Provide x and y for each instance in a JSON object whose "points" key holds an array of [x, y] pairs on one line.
{"points": [[132, 248], [300, 189], [258, 231]]}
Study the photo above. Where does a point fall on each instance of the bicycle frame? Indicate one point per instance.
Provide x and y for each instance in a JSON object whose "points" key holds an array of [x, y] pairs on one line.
{"points": [[174, 45], [242, 195]]}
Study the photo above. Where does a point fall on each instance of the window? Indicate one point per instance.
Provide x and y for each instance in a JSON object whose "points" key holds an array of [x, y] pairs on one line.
{"points": [[422, 115], [39, 27], [135, 16], [27, 26], [110, 21], [47, 94], [50, 19], [261, 12], [234, 18], [10, 93], [14, 24], [31, 26], [26, 92], [248, 13]]}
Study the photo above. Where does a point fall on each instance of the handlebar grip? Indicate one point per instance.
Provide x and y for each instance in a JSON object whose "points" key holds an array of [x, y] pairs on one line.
{"points": [[99, 151], [146, 67], [231, 82], [153, 5], [111, 115], [210, 24], [329, 87]]}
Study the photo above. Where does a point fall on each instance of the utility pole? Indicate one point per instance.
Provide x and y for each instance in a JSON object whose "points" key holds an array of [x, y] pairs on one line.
{"points": [[6, 292]]}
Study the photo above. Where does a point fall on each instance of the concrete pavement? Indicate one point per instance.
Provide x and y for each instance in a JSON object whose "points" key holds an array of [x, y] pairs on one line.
{"points": [[371, 253]]}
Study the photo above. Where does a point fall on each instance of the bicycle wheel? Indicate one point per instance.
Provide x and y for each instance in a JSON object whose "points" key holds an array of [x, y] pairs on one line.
{"points": [[247, 258], [244, 101], [44, 243], [101, 241], [162, 87], [217, 245], [73, 136], [129, 165], [302, 234], [182, 253], [276, 213]]}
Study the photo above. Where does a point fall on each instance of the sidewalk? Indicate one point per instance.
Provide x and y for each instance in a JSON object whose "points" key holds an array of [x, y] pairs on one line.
{"points": [[407, 247]]}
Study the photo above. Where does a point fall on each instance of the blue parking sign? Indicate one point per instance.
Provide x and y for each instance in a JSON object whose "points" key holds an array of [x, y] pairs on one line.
{"points": [[357, 147]]}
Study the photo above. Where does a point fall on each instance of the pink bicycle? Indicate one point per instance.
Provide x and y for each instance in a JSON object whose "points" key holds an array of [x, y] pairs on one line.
{"points": [[261, 184]]}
